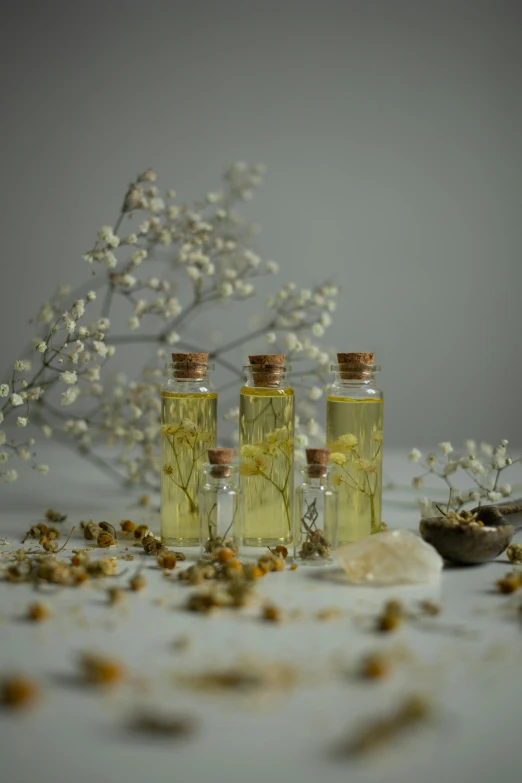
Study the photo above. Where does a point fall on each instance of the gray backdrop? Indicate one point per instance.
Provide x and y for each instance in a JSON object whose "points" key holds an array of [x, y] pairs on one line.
{"points": [[391, 131]]}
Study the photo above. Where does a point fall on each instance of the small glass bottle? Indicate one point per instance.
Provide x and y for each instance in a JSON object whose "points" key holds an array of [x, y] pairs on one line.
{"points": [[188, 428], [219, 503], [354, 421], [266, 440], [315, 517]]}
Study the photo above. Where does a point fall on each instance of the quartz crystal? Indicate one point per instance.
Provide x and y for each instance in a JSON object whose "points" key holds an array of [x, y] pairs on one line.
{"points": [[390, 558]]}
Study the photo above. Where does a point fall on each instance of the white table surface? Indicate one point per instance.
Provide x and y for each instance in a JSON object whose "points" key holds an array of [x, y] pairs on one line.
{"points": [[472, 679]]}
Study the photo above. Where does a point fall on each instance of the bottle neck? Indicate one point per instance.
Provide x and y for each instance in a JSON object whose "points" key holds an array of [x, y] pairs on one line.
{"points": [[221, 476], [341, 379], [267, 376], [316, 477], [189, 376], [355, 375]]}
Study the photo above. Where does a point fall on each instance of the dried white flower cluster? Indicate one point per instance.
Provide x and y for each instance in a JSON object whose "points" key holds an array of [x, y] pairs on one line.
{"points": [[175, 263], [484, 465]]}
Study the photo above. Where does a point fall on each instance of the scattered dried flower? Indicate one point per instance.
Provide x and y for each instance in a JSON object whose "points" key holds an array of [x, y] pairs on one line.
{"points": [[514, 553], [391, 616], [271, 614], [101, 670], [167, 561], [137, 582], [170, 727], [18, 692], [510, 582], [37, 611], [374, 666], [115, 595], [127, 526], [55, 516], [105, 540], [380, 731]]}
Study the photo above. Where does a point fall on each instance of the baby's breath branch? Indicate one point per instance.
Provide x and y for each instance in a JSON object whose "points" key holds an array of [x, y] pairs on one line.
{"points": [[207, 246]]}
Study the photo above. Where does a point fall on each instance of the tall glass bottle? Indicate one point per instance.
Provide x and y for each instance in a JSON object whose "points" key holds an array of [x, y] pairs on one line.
{"points": [[219, 507], [315, 517], [354, 422], [266, 439], [189, 424]]}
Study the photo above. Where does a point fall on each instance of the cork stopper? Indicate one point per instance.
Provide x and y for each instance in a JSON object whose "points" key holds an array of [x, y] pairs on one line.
{"points": [[354, 366], [220, 459], [190, 365], [317, 461], [267, 368]]}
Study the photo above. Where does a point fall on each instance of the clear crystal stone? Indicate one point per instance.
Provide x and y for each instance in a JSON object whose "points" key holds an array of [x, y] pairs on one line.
{"points": [[390, 558]]}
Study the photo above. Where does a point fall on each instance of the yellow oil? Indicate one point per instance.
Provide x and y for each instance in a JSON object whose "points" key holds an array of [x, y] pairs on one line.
{"points": [[188, 430], [354, 430], [266, 439]]}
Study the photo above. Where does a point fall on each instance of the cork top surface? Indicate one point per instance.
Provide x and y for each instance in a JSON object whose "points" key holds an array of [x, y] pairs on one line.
{"points": [[317, 456], [354, 359], [191, 358], [268, 358], [220, 456]]}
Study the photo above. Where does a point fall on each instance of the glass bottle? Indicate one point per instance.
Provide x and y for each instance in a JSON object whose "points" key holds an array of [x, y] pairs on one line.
{"points": [[219, 506], [315, 515], [188, 428], [354, 421], [266, 439]]}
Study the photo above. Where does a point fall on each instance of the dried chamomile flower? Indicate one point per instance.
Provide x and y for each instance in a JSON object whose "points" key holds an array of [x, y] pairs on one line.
{"points": [[280, 550], [115, 595], [271, 614], [128, 556], [391, 616], [18, 692], [137, 582], [144, 500], [215, 544], [428, 607], [108, 528], [328, 613], [167, 561], [19, 555], [514, 553], [105, 540], [196, 574], [176, 727], [91, 530], [101, 670], [37, 611], [55, 516], [239, 591], [380, 731], [140, 532], [374, 666], [223, 554], [272, 561], [36, 531], [127, 526], [153, 546], [510, 582], [251, 572], [20, 572], [105, 566], [202, 602]]}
